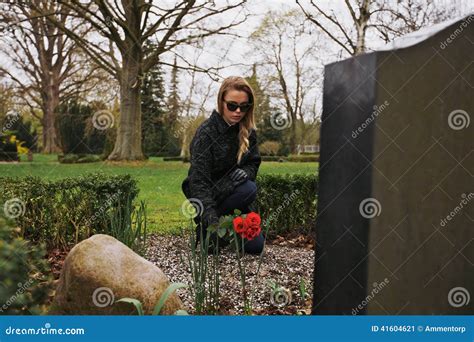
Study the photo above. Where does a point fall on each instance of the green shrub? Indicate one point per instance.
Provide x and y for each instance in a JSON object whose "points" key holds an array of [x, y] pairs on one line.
{"points": [[78, 158], [304, 158], [287, 203], [25, 275], [64, 212], [8, 149]]}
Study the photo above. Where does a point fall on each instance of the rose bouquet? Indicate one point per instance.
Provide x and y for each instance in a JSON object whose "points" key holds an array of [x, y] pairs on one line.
{"points": [[247, 226]]}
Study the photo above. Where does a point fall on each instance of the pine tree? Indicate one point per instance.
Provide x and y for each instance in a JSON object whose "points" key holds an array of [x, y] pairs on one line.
{"points": [[263, 112], [174, 108], [153, 113]]}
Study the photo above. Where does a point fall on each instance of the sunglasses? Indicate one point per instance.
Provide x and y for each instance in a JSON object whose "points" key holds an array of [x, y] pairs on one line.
{"points": [[244, 107]]}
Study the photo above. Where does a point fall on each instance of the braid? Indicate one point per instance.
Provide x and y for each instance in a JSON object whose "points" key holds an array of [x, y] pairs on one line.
{"points": [[243, 141]]}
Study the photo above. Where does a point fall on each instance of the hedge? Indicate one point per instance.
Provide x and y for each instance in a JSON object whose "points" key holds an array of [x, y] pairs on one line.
{"points": [[64, 212], [287, 203], [303, 158]]}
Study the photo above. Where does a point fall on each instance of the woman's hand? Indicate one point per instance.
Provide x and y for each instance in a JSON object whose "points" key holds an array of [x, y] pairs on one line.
{"points": [[238, 175]]}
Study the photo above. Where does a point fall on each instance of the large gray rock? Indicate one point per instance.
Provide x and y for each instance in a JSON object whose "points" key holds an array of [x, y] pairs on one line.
{"points": [[99, 271]]}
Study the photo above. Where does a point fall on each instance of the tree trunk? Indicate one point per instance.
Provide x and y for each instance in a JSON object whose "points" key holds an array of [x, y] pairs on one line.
{"points": [[50, 104], [184, 147], [293, 133], [128, 145]]}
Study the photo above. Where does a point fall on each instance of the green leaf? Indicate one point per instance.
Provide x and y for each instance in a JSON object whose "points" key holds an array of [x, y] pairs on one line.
{"points": [[237, 212], [136, 302], [164, 297], [212, 227], [221, 232]]}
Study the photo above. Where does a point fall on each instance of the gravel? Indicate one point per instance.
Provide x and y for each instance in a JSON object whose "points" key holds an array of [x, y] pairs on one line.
{"points": [[286, 263]]}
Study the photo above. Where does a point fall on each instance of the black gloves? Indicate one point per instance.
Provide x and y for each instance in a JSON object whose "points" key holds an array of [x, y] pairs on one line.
{"points": [[238, 176]]}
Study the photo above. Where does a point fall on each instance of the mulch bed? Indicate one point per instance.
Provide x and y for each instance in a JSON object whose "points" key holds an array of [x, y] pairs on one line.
{"points": [[286, 262]]}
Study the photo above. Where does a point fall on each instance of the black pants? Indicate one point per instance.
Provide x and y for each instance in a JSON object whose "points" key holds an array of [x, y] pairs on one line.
{"points": [[243, 195]]}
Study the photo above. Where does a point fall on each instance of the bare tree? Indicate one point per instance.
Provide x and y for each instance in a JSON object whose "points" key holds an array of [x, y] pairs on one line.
{"points": [[287, 49], [123, 28], [45, 65], [387, 18]]}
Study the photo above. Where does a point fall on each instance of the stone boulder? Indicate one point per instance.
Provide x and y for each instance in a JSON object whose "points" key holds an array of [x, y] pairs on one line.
{"points": [[99, 271]]}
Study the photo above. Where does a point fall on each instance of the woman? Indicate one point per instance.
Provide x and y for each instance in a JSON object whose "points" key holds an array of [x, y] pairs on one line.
{"points": [[225, 160]]}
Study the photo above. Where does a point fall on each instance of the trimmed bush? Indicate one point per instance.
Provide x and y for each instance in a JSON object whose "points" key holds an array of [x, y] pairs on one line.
{"points": [[287, 203], [26, 280], [64, 212], [79, 158], [304, 158]]}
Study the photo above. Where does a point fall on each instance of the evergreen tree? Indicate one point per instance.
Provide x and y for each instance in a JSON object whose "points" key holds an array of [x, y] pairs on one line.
{"points": [[174, 108], [263, 112], [153, 113]]}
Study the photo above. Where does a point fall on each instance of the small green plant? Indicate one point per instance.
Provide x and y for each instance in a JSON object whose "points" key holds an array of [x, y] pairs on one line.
{"points": [[161, 302], [302, 290], [205, 273], [128, 224]]}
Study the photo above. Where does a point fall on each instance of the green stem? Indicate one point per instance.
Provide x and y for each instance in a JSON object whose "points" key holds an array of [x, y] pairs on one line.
{"points": [[252, 291], [241, 270]]}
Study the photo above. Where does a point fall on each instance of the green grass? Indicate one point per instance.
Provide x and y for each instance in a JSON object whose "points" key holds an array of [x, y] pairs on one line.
{"points": [[159, 182]]}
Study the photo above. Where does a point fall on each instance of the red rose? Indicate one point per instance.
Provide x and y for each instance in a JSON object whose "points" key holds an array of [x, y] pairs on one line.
{"points": [[253, 219], [252, 232], [240, 226]]}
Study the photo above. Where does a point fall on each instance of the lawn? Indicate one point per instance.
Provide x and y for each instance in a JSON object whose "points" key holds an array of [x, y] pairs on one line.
{"points": [[159, 181]]}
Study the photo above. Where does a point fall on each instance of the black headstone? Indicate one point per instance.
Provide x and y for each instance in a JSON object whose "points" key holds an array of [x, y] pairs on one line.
{"points": [[395, 225]]}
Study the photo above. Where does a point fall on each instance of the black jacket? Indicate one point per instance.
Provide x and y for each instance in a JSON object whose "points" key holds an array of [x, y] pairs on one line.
{"points": [[213, 158]]}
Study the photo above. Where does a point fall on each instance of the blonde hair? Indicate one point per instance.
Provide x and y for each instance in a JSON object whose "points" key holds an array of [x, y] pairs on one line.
{"points": [[247, 123]]}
